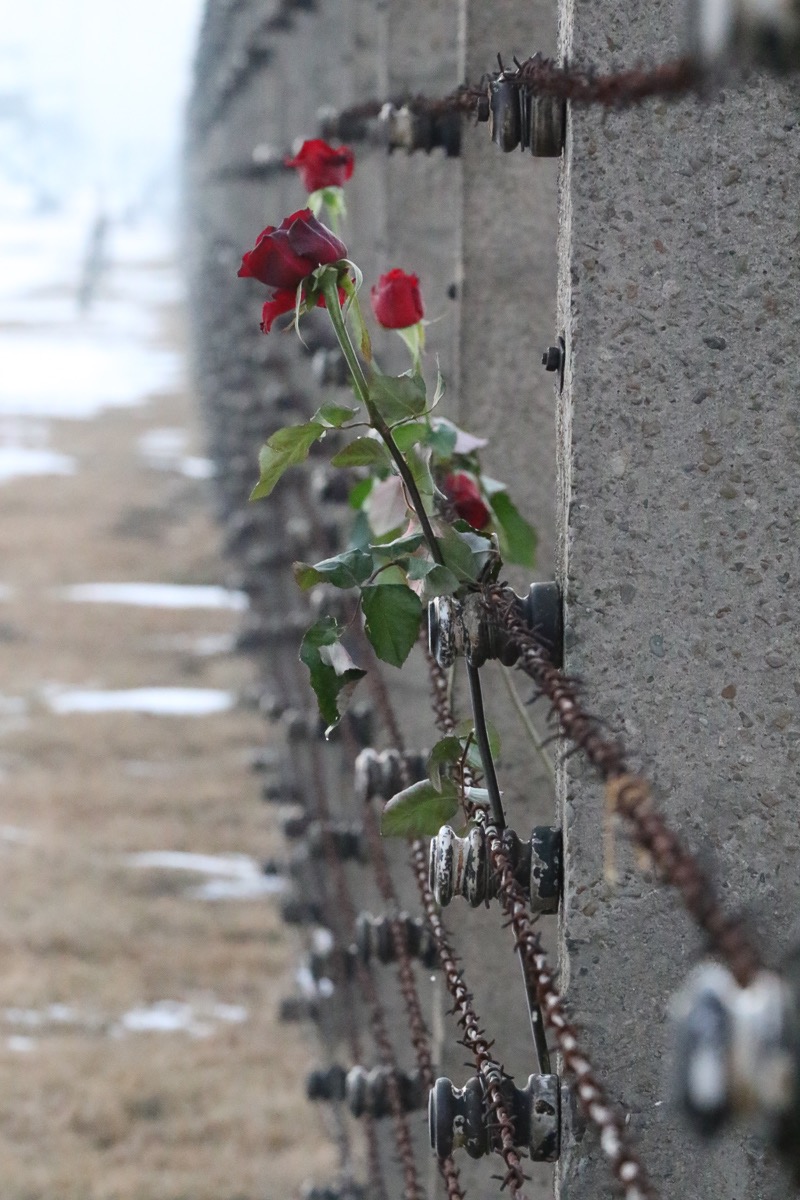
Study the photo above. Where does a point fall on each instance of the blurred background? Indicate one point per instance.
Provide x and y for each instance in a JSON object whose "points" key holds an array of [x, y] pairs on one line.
{"points": [[140, 945]]}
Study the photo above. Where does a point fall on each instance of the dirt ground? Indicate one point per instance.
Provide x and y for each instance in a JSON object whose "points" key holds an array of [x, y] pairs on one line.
{"points": [[91, 1108]]}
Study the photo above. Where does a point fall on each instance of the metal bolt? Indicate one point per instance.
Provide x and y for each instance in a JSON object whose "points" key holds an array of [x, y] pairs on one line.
{"points": [[505, 117], [461, 1117], [461, 866], [555, 359], [374, 939], [368, 1091], [328, 1083], [461, 627], [382, 774]]}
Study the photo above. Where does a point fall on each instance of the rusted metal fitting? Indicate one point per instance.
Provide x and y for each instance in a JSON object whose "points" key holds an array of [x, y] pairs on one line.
{"points": [[519, 117], [737, 1053], [298, 1008], [505, 116], [461, 1118], [368, 1092], [341, 126], [461, 627], [379, 775], [327, 1083], [330, 369], [543, 121], [374, 939], [762, 32], [410, 129], [462, 866]]}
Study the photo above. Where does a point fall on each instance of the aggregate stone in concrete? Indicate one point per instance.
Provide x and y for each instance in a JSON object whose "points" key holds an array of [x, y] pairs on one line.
{"points": [[680, 427]]}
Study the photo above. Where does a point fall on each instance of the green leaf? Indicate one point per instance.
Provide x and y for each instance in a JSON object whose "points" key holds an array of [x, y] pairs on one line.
{"points": [[333, 672], [409, 434], [442, 439], [333, 415], [359, 492], [346, 570], [465, 554], [399, 548], [363, 452], [420, 467], [439, 581], [398, 397], [392, 614], [286, 448], [419, 810], [517, 538], [447, 751]]}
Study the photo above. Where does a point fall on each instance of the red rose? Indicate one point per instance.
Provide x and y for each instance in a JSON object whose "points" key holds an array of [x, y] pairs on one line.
{"points": [[282, 258], [321, 165], [464, 494], [396, 301]]}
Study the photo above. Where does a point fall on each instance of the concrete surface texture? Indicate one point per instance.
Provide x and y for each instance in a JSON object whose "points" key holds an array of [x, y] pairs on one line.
{"points": [[679, 292]]}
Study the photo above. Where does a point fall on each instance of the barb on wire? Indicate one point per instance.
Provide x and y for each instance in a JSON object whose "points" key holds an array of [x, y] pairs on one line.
{"points": [[543, 77], [629, 795], [544, 999], [474, 1037], [614, 1140]]}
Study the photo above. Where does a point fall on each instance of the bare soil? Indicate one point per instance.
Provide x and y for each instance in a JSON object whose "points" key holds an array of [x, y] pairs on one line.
{"points": [[88, 1110]]}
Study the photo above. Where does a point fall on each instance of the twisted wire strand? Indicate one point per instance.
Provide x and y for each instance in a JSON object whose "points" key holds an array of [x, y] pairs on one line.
{"points": [[629, 795]]}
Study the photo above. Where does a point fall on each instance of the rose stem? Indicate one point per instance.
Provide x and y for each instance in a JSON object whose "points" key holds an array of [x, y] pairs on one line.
{"points": [[330, 291]]}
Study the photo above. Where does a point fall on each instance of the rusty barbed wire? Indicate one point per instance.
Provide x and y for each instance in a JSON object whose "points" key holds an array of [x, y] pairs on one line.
{"points": [[544, 77], [614, 1140], [412, 1189], [475, 1039], [629, 795]]}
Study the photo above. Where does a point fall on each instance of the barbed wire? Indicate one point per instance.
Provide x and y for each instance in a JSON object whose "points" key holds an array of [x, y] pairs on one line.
{"points": [[629, 795], [544, 77]]}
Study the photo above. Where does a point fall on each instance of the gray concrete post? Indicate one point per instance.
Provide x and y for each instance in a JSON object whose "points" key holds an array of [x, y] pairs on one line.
{"points": [[679, 440]]}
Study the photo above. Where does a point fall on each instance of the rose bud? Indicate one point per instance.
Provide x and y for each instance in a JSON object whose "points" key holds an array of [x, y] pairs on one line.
{"points": [[396, 301], [321, 165], [464, 494]]}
